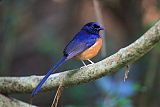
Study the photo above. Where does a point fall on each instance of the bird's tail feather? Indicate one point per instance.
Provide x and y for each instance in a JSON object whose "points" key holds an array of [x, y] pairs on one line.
{"points": [[60, 62]]}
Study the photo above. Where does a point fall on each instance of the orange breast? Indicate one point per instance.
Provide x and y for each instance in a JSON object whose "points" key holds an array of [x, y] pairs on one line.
{"points": [[92, 51]]}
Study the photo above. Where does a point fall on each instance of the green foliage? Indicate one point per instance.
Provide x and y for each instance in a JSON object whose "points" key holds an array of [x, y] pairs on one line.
{"points": [[49, 43], [149, 25], [124, 102], [136, 87], [158, 4]]}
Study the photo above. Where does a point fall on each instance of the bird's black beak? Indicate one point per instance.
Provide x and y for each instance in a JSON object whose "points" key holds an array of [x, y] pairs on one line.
{"points": [[101, 28]]}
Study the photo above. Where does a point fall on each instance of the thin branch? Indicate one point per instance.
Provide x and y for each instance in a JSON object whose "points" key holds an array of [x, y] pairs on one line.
{"points": [[11, 102], [123, 57]]}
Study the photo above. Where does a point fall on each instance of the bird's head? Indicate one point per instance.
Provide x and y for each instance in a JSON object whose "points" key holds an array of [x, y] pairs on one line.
{"points": [[92, 27]]}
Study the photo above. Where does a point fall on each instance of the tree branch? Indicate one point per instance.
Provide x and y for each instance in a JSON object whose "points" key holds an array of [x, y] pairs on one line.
{"points": [[11, 102], [123, 57]]}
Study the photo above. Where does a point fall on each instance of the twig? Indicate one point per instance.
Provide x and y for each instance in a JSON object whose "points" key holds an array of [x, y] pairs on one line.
{"points": [[126, 73], [57, 96]]}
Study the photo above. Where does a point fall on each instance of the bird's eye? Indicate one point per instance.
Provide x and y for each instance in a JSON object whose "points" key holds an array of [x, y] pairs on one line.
{"points": [[96, 26]]}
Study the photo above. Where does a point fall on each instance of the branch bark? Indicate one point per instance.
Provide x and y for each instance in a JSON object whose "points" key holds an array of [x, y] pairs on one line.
{"points": [[123, 57], [11, 102]]}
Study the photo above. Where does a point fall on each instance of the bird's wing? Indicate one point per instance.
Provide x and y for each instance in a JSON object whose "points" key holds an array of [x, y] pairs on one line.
{"points": [[78, 44]]}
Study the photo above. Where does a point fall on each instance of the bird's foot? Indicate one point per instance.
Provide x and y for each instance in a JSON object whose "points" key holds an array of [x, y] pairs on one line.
{"points": [[85, 66]]}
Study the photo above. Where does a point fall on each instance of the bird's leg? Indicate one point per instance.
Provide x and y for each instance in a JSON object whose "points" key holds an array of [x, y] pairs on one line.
{"points": [[90, 61], [83, 64], [88, 64]]}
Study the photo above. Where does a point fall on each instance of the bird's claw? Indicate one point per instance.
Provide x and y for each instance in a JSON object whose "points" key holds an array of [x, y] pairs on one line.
{"points": [[85, 66]]}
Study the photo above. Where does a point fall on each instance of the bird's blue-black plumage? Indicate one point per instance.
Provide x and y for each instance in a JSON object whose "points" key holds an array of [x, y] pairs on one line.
{"points": [[81, 41], [38, 87]]}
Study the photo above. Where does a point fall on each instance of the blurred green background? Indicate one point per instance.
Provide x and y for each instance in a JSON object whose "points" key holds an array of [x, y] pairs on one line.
{"points": [[33, 34]]}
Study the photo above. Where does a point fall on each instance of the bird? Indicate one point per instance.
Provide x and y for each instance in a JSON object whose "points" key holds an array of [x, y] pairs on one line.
{"points": [[85, 45]]}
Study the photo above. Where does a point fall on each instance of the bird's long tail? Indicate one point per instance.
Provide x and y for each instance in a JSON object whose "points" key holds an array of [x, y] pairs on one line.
{"points": [[38, 87]]}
